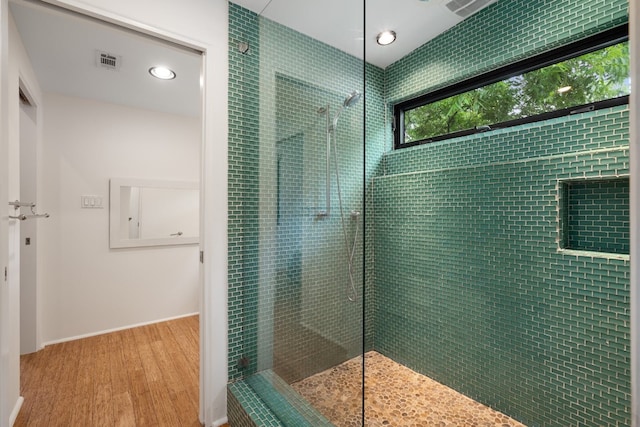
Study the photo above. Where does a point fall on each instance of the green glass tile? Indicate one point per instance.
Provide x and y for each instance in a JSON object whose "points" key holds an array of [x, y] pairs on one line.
{"points": [[463, 278]]}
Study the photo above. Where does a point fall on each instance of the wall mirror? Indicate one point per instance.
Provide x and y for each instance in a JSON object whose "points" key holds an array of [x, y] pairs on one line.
{"points": [[146, 212]]}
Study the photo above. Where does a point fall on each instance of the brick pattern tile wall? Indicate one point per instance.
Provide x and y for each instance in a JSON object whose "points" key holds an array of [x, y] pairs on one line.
{"points": [[471, 288], [288, 269]]}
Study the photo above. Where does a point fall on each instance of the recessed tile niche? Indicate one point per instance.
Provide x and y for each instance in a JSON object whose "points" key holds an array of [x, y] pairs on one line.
{"points": [[594, 215]]}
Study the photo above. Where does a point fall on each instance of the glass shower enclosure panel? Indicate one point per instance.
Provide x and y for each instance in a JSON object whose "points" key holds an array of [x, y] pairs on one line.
{"points": [[309, 298]]}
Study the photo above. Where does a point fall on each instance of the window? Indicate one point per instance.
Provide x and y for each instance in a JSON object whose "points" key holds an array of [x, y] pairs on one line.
{"points": [[583, 76]]}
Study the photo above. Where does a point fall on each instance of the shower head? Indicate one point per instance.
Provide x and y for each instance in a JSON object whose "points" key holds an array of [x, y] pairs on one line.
{"points": [[352, 99]]}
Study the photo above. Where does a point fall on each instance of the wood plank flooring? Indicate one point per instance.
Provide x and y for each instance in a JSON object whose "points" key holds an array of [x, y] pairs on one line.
{"points": [[146, 376]]}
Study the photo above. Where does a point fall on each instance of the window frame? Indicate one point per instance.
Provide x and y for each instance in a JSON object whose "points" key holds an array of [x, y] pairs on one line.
{"points": [[589, 44]]}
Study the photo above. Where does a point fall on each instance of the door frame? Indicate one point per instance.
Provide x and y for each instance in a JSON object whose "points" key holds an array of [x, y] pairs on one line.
{"points": [[213, 198], [27, 88]]}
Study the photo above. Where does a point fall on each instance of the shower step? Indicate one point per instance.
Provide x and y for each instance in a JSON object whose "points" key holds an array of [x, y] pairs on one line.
{"points": [[300, 352], [267, 400]]}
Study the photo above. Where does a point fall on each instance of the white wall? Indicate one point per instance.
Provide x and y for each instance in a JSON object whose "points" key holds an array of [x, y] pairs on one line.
{"points": [[206, 24], [87, 287], [29, 313], [16, 68], [6, 366], [13, 283], [202, 24]]}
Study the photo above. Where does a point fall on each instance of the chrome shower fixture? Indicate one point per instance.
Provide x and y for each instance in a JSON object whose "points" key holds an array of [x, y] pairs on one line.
{"points": [[332, 140], [351, 100]]}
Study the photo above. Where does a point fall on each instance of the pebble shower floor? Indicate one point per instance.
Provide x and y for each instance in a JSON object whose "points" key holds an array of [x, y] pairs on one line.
{"points": [[396, 396]]}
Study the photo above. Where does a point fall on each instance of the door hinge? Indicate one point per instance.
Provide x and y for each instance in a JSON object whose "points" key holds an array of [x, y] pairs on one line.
{"points": [[201, 257], [5, 274]]}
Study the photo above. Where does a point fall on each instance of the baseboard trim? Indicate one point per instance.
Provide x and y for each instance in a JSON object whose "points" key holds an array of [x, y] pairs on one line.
{"points": [[220, 422], [16, 410], [107, 331]]}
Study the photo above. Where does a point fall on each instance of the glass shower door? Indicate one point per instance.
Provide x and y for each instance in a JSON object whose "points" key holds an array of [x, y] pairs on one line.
{"points": [[303, 294]]}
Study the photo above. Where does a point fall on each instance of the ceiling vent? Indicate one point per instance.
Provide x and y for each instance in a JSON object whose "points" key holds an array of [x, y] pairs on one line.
{"points": [[108, 60], [466, 8]]}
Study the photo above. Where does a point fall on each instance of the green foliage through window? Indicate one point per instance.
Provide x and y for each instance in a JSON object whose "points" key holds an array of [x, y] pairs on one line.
{"points": [[589, 78]]}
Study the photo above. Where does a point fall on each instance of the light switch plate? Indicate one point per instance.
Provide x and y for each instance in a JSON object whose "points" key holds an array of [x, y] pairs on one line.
{"points": [[91, 202]]}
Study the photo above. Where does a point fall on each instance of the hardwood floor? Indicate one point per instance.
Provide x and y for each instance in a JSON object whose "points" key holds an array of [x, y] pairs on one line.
{"points": [[146, 376]]}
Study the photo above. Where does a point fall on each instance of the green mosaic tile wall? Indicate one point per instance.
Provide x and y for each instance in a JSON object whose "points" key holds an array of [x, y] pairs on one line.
{"points": [[472, 291], [378, 140], [288, 275], [596, 215], [264, 399], [470, 288], [246, 409], [304, 269], [243, 185], [498, 35], [463, 279]]}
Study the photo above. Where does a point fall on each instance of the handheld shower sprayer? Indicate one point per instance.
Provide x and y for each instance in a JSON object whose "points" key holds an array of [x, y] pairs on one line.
{"points": [[351, 100], [332, 139]]}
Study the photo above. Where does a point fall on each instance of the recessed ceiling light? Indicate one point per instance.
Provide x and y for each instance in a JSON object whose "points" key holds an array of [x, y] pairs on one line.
{"points": [[386, 37], [163, 73], [564, 89]]}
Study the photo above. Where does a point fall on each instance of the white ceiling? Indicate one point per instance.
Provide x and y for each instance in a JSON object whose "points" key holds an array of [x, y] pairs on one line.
{"points": [[62, 46], [62, 49], [340, 23]]}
